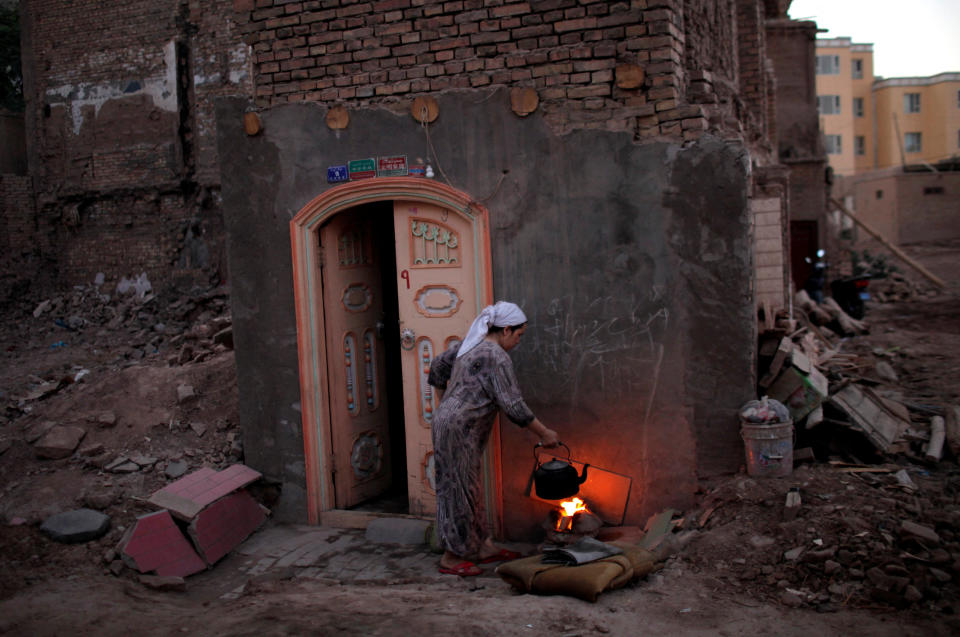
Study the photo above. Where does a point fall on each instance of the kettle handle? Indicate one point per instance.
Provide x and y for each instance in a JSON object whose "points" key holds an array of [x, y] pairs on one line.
{"points": [[540, 444]]}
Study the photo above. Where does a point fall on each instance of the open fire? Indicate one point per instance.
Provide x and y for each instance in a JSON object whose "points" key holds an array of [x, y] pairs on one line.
{"points": [[570, 509], [571, 521]]}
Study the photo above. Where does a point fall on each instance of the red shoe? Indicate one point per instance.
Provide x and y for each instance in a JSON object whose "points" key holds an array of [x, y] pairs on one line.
{"points": [[503, 555], [463, 569]]}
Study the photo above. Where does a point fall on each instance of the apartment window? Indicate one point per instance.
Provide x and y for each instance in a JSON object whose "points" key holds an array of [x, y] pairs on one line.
{"points": [[834, 144], [860, 145], [879, 194], [857, 69], [828, 65], [913, 142], [828, 104], [858, 107], [911, 102], [933, 190]]}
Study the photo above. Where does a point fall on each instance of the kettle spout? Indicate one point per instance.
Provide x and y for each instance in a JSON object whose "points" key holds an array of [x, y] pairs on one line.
{"points": [[583, 474]]}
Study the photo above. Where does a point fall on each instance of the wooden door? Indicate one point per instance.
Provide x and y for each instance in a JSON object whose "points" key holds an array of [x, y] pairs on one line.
{"points": [[437, 302], [353, 315]]}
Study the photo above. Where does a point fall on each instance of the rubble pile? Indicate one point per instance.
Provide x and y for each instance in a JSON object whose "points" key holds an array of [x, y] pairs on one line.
{"points": [[847, 403], [870, 516], [124, 392], [186, 328], [897, 287], [853, 536]]}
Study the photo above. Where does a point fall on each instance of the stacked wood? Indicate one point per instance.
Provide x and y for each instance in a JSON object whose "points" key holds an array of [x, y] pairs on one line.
{"points": [[848, 325], [811, 308]]}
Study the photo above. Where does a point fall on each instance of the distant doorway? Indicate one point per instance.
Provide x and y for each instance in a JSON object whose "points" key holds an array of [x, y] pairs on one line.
{"points": [[804, 243]]}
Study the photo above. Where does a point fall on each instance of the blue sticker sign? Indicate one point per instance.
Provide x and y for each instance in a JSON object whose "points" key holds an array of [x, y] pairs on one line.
{"points": [[336, 174]]}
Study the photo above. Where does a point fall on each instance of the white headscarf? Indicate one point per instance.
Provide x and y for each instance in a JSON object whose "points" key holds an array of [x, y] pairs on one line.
{"points": [[501, 314]]}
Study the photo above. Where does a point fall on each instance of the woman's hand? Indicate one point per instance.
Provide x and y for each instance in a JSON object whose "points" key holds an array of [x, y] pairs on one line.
{"points": [[548, 437]]}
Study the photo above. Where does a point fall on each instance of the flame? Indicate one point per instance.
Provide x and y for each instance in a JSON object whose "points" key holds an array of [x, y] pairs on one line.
{"points": [[570, 508]]}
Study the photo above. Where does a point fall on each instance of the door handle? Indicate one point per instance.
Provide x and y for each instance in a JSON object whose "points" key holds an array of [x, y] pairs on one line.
{"points": [[408, 338], [379, 329]]}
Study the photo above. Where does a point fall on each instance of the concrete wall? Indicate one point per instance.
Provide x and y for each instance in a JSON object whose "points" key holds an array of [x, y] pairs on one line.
{"points": [[633, 263], [911, 207]]}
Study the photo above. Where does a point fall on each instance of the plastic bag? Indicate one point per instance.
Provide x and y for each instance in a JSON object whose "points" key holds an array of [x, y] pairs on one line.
{"points": [[765, 410]]}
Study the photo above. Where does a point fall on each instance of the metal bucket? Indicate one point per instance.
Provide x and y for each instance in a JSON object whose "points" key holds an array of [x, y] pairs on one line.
{"points": [[768, 448]]}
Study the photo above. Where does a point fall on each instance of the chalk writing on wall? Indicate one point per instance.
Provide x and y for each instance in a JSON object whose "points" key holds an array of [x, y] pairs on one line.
{"points": [[609, 344]]}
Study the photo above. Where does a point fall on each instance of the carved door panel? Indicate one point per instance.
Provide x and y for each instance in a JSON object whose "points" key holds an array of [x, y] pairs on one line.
{"points": [[353, 308], [437, 302]]}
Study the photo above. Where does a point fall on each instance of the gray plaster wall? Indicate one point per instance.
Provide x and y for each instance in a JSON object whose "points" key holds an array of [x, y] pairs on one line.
{"points": [[633, 263]]}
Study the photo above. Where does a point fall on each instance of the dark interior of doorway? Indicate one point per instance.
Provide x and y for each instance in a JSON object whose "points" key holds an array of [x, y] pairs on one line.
{"points": [[395, 500], [804, 243]]}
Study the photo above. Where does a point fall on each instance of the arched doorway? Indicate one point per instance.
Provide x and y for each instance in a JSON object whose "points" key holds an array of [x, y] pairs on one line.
{"points": [[388, 273]]}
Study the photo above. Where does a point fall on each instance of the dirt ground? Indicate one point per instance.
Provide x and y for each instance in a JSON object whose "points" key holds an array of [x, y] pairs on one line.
{"points": [[112, 365]]}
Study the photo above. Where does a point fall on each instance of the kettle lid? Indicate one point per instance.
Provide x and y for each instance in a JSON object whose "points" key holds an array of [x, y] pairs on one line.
{"points": [[555, 465]]}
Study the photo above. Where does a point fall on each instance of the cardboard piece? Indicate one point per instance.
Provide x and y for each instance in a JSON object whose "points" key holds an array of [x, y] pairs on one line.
{"points": [[800, 387], [776, 365]]}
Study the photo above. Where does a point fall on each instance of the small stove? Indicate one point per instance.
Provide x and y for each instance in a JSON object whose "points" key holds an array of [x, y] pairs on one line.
{"points": [[571, 521]]}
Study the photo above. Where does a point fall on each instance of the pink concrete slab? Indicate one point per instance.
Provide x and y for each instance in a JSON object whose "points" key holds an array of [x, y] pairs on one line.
{"points": [[189, 495], [225, 524], [157, 544]]}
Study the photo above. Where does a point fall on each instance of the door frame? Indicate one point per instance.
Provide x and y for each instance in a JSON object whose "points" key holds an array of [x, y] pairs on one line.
{"points": [[311, 344]]}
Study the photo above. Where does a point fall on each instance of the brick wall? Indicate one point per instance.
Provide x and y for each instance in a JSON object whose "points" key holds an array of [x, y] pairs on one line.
{"points": [[752, 51], [349, 51], [122, 137], [122, 92], [16, 203], [768, 250], [17, 233]]}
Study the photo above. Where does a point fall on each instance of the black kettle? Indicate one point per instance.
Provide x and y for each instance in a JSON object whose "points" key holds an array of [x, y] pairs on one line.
{"points": [[556, 479]]}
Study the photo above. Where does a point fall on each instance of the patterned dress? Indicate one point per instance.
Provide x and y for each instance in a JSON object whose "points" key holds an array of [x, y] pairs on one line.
{"points": [[475, 387]]}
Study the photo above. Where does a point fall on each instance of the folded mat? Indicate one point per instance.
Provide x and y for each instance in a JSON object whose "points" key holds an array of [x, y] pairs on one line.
{"points": [[586, 581], [583, 551]]}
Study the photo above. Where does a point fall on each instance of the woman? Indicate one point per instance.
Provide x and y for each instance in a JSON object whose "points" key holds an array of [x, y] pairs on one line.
{"points": [[476, 379]]}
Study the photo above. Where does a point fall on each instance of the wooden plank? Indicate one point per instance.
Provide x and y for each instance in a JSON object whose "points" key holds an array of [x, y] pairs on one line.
{"points": [[869, 414]]}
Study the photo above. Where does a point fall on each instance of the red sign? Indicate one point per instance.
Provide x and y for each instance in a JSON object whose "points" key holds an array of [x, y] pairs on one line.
{"points": [[392, 166]]}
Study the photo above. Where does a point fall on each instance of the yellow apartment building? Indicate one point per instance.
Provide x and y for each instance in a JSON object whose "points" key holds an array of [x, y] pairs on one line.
{"points": [[844, 77], [872, 123], [918, 119]]}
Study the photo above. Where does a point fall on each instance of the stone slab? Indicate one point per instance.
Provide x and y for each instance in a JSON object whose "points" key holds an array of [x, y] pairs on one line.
{"points": [[59, 442], [189, 495], [73, 527], [397, 531], [225, 524], [156, 544]]}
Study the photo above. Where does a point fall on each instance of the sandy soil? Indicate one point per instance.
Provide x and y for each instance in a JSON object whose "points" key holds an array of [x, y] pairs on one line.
{"points": [[727, 574]]}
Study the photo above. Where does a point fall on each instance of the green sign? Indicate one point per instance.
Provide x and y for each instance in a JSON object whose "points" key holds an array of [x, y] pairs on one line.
{"points": [[362, 169]]}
